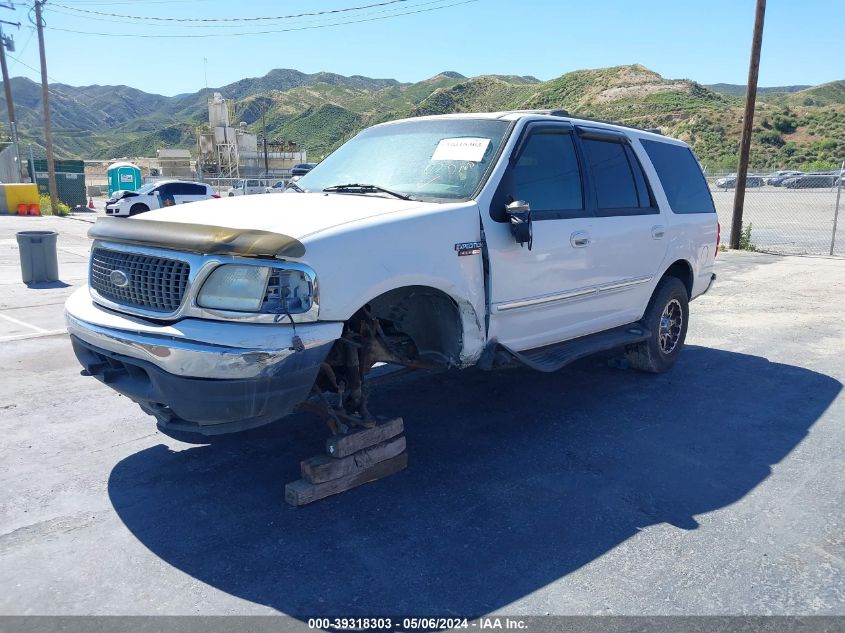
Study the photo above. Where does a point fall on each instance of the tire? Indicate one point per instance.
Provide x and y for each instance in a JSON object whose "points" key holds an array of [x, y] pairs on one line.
{"points": [[135, 209], [667, 318]]}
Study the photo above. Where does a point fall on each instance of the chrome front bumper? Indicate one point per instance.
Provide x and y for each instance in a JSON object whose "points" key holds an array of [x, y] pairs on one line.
{"points": [[194, 347], [196, 376]]}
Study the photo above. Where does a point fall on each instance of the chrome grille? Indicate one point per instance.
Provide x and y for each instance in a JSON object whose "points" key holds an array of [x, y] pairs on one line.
{"points": [[155, 283]]}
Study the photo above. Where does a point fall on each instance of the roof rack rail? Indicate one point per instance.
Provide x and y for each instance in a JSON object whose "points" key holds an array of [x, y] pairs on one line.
{"points": [[653, 130], [547, 111], [565, 113]]}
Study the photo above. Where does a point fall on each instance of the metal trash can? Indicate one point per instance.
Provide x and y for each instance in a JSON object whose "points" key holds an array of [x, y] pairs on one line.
{"points": [[38, 256]]}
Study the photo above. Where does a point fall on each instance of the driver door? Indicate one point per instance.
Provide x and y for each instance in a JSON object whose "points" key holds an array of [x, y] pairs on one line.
{"points": [[541, 296]]}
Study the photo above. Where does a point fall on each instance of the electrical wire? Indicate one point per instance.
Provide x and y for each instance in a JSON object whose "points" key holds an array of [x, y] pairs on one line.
{"points": [[50, 89], [253, 33], [248, 19], [229, 26]]}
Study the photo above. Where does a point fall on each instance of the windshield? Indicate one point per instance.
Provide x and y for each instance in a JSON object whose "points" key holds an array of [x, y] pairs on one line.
{"points": [[430, 159], [146, 188]]}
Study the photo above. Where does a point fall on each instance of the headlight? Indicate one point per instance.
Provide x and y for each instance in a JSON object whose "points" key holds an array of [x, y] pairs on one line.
{"points": [[264, 289], [234, 287]]}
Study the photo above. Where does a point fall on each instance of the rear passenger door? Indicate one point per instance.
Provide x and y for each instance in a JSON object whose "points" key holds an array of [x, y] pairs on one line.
{"points": [[628, 235]]}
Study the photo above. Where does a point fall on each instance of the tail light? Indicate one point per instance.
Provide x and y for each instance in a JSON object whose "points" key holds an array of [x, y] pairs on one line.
{"points": [[214, 195], [718, 237]]}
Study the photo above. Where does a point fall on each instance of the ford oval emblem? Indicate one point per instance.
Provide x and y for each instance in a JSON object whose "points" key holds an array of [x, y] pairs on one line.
{"points": [[119, 278]]}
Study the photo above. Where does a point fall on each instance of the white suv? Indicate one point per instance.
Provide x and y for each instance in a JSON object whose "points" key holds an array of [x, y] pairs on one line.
{"points": [[156, 195], [525, 237]]}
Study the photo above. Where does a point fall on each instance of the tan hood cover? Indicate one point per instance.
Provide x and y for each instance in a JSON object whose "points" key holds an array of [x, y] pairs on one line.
{"points": [[197, 238]]}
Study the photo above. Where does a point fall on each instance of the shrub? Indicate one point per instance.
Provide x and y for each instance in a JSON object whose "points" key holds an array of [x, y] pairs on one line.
{"points": [[819, 165], [786, 125], [46, 205], [745, 243], [769, 138]]}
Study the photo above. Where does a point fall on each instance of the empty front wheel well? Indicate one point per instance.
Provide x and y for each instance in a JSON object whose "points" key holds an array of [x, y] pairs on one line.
{"points": [[683, 271], [428, 317]]}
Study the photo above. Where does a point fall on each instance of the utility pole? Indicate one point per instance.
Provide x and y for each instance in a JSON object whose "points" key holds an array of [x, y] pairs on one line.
{"points": [[8, 42], [264, 126], [48, 134], [747, 123]]}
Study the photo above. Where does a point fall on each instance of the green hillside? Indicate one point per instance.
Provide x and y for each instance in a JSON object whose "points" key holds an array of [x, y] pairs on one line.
{"points": [[794, 125]]}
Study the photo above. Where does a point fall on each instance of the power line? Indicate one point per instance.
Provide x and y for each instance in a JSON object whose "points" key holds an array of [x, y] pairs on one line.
{"points": [[135, 2], [229, 26], [266, 32], [249, 19], [58, 93]]}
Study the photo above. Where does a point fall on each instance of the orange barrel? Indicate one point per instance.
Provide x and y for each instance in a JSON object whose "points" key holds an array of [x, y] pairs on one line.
{"points": [[23, 207], [35, 209]]}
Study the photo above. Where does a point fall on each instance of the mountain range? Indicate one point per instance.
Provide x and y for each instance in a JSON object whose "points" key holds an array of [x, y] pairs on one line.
{"points": [[794, 125]]}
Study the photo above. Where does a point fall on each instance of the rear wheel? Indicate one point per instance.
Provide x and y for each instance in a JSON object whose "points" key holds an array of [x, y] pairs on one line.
{"points": [[135, 209], [666, 317]]}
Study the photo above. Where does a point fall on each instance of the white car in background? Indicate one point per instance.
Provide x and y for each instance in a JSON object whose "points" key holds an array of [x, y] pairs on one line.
{"points": [[156, 195], [246, 187]]}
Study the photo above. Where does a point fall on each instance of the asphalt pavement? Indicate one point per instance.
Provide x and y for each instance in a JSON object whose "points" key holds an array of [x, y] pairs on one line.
{"points": [[714, 489]]}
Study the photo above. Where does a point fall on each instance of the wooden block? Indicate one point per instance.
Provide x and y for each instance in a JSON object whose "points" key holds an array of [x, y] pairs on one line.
{"points": [[342, 445], [301, 492], [324, 468]]}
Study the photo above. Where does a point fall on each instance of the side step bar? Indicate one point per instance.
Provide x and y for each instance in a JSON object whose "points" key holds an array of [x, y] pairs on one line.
{"points": [[553, 357]]}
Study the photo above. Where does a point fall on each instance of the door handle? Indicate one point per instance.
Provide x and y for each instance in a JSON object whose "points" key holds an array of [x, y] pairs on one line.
{"points": [[657, 232], [580, 239]]}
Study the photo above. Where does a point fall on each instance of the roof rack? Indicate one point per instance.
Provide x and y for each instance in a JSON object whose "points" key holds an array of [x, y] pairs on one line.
{"points": [[549, 112], [565, 113], [653, 130]]}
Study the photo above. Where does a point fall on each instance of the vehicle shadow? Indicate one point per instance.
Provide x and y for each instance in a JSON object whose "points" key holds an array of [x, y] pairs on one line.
{"points": [[515, 479]]}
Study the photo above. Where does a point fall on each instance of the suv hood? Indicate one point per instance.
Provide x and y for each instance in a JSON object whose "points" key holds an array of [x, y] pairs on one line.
{"points": [[297, 215]]}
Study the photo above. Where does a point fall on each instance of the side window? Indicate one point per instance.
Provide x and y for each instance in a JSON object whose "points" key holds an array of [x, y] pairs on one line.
{"points": [[618, 179], [189, 189], [546, 173], [180, 189], [252, 183], [681, 177]]}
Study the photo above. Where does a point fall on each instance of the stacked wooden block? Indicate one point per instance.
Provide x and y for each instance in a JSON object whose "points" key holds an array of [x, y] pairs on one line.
{"points": [[351, 459]]}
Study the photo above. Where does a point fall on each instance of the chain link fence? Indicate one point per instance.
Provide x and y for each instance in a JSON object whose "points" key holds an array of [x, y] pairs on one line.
{"points": [[798, 217]]}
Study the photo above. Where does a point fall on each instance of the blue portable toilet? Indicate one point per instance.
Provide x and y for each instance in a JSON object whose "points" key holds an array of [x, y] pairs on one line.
{"points": [[123, 175]]}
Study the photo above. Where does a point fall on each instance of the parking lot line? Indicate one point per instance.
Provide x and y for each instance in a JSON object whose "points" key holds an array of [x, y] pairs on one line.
{"points": [[23, 337], [40, 330]]}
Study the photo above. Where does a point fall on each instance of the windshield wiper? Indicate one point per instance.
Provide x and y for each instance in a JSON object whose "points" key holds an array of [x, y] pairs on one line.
{"points": [[295, 187], [354, 187]]}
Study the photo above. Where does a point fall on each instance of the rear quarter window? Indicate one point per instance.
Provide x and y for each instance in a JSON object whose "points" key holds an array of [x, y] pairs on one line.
{"points": [[681, 177]]}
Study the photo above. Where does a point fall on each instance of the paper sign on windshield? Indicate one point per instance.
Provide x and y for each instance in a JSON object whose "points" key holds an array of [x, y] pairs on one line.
{"points": [[470, 149]]}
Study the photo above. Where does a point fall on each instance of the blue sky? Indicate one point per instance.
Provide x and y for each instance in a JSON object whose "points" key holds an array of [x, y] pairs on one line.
{"points": [[705, 41]]}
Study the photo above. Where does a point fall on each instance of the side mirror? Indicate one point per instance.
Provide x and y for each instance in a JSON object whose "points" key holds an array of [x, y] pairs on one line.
{"points": [[519, 213]]}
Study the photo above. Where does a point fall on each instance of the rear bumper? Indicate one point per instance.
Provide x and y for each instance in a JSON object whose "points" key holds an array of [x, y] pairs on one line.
{"points": [[207, 377], [702, 284], [712, 280]]}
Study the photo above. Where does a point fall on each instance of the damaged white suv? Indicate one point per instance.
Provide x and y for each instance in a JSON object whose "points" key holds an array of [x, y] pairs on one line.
{"points": [[475, 239]]}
